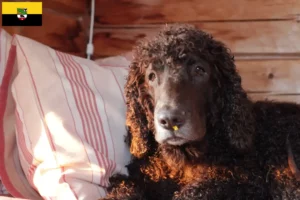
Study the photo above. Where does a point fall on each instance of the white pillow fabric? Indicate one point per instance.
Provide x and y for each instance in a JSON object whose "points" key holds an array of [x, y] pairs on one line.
{"points": [[62, 122]]}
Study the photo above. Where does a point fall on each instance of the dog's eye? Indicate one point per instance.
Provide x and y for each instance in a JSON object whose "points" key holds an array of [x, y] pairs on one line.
{"points": [[199, 70], [152, 76]]}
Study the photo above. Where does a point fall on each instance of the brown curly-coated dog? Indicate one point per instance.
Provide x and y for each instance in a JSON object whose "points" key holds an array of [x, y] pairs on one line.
{"points": [[195, 134]]}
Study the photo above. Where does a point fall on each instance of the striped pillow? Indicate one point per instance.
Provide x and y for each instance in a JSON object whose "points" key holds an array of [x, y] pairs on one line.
{"points": [[62, 123]]}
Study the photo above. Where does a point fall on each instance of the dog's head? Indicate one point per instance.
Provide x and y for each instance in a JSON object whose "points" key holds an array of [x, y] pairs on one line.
{"points": [[182, 86], [179, 84]]}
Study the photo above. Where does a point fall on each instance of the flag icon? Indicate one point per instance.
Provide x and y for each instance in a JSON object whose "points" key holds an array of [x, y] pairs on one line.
{"points": [[22, 13]]}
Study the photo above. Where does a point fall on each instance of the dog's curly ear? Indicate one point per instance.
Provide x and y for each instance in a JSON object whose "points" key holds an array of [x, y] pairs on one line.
{"points": [[235, 109], [139, 116]]}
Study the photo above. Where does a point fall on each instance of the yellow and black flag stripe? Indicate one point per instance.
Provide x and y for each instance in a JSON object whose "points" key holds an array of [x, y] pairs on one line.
{"points": [[22, 13]]}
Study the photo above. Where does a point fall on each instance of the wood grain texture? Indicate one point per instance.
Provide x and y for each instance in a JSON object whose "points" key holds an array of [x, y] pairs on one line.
{"points": [[165, 11], [270, 76], [275, 80], [59, 32], [276, 97], [68, 7], [242, 37]]}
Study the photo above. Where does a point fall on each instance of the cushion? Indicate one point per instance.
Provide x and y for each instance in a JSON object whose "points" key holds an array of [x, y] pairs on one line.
{"points": [[62, 124]]}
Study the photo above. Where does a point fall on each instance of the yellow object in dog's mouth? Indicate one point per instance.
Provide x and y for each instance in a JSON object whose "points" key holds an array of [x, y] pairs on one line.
{"points": [[175, 128]]}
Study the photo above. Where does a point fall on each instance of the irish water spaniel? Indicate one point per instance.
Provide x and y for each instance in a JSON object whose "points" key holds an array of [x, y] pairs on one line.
{"points": [[195, 134]]}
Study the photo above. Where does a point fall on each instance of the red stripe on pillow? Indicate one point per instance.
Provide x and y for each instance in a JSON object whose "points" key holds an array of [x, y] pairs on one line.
{"points": [[94, 109], [90, 117], [22, 145], [87, 156], [3, 103], [47, 131]]}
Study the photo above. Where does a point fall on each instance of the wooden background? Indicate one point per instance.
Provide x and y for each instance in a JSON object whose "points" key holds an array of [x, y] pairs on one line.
{"points": [[264, 35]]}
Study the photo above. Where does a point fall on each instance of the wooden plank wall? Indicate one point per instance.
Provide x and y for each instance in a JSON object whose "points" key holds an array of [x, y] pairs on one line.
{"points": [[264, 35], [62, 26]]}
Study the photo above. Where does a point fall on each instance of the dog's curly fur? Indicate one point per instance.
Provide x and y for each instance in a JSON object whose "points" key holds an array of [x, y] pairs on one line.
{"points": [[244, 153]]}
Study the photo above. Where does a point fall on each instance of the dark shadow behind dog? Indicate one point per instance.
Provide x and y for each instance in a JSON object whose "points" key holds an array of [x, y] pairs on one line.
{"points": [[194, 133]]}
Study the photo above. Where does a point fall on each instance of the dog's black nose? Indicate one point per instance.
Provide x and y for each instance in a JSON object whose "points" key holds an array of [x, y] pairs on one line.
{"points": [[170, 119]]}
